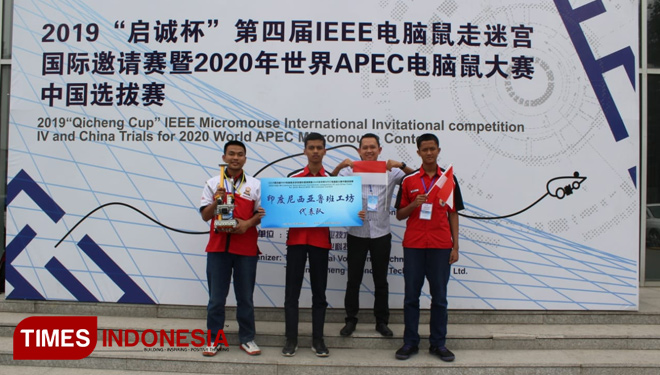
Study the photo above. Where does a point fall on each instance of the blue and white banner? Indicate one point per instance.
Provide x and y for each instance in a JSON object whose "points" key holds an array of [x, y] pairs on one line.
{"points": [[309, 202], [120, 110]]}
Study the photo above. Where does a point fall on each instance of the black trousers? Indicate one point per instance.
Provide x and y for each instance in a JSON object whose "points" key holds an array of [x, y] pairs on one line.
{"points": [[379, 249], [296, 258]]}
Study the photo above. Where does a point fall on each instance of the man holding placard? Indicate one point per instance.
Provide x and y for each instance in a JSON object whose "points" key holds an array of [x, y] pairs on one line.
{"points": [[430, 199], [379, 180], [232, 248], [302, 243]]}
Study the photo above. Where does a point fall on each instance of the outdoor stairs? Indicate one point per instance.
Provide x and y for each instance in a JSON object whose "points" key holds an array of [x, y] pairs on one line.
{"points": [[485, 342]]}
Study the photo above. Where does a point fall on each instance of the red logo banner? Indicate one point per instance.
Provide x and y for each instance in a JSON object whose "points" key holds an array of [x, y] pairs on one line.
{"points": [[55, 337]]}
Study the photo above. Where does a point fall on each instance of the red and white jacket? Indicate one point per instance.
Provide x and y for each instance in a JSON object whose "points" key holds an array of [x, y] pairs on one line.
{"points": [[427, 234], [246, 201]]}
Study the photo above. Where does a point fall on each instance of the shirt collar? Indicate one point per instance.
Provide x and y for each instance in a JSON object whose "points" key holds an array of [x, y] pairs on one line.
{"points": [[307, 173], [423, 174], [236, 178]]}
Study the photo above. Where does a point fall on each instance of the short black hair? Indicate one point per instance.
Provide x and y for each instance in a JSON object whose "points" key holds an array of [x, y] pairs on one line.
{"points": [[235, 143], [370, 135], [427, 137], [314, 137]]}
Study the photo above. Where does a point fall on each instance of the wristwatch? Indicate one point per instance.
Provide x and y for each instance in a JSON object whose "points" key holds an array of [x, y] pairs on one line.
{"points": [[403, 165]]}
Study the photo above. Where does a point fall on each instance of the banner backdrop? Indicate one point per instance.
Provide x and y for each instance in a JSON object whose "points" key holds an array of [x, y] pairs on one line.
{"points": [[120, 110]]}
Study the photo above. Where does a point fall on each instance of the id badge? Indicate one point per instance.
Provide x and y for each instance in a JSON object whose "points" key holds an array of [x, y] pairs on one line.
{"points": [[372, 202], [393, 198], [425, 214]]}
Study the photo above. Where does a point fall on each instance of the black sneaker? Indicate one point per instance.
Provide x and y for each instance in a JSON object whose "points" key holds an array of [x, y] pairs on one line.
{"points": [[290, 347], [319, 348], [384, 330], [348, 329], [406, 351], [442, 352]]}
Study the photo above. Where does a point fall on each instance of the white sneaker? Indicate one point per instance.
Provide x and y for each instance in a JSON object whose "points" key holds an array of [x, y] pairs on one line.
{"points": [[251, 348], [210, 351]]}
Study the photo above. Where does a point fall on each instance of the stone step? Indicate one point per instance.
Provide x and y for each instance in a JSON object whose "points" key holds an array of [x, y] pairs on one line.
{"points": [[37, 370], [335, 315], [362, 361], [460, 336], [485, 342]]}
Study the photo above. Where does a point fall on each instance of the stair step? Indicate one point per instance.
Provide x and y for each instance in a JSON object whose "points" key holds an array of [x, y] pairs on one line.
{"points": [[334, 315], [485, 342], [37, 370], [460, 336], [362, 361]]}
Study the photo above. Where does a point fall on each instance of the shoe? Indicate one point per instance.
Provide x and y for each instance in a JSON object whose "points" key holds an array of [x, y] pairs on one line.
{"points": [[319, 348], [290, 347], [384, 330], [406, 351], [348, 329], [210, 351], [251, 348], [442, 352]]}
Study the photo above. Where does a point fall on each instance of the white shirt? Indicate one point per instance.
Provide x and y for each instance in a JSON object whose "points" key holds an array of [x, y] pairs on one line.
{"points": [[376, 223]]}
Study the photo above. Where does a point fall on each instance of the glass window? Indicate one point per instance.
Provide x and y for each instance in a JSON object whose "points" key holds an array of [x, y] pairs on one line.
{"points": [[7, 13], [4, 120], [654, 210], [653, 43], [653, 182]]}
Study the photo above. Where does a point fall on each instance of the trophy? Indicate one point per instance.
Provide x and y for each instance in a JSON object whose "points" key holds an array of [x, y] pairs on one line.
{"points": [[224, 211]]}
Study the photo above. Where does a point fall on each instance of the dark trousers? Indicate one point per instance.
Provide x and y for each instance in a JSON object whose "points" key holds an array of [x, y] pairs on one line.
{"points": [[379, 249], [219, 269], [432, 264], [296, 258]]}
